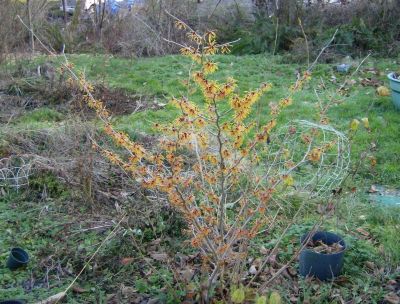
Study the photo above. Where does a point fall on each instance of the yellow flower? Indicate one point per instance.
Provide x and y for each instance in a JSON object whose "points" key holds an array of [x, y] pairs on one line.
{"points": [[225, 49], [288, 180], [210, 49], [180, 25], [194, 37], [187, 51], [210, 67], [226, 153], [211, 36]]}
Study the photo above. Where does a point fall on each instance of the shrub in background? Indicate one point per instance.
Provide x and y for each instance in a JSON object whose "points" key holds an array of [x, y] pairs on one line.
{"points": [[363, 26]]}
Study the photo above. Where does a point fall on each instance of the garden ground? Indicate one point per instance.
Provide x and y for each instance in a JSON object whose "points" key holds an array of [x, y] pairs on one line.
{"points": [[61, 227]]}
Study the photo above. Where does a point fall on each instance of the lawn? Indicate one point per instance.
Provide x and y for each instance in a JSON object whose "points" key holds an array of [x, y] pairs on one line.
{"points": [[56, 225]]}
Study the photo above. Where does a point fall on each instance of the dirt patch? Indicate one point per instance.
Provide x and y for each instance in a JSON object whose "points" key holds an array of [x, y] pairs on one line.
{"points": [[14, 106], [119, 102]]}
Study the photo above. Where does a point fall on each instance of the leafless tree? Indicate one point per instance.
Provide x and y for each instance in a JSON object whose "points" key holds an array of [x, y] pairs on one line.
{"points": [[31, 33], [64, 10]]}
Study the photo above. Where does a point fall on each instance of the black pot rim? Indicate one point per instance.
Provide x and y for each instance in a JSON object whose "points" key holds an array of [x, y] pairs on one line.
{"points": [[325, 254], [24, 253]]}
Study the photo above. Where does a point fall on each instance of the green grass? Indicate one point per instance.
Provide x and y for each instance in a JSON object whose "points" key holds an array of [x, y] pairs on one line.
{"points": [[161, 78], [41, 115], [52, 229]]}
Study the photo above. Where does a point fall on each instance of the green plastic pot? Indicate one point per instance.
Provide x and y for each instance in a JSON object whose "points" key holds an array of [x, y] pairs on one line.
{"points": [[395, 86]]}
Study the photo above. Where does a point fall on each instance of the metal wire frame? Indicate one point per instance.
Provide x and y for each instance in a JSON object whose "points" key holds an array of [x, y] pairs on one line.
{"points": [[318, 178], [15, 172]]}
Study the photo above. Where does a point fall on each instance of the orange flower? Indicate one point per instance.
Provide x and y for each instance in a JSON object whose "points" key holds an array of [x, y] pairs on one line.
{"points": [[285, 102]]}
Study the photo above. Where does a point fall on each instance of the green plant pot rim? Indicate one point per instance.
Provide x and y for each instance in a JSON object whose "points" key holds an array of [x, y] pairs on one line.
{"points": [[390, 76]]}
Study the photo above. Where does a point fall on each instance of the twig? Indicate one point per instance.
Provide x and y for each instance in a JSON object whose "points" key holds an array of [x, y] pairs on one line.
{"points": [[34, 35], [322, 51], [177, 19], [174, 42], [352, 74], [306, 40], [215, 8], [111, 234], [276, 35]]}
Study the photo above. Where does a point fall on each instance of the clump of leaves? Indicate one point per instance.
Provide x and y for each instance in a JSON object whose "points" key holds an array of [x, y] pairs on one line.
{"points": [[321, 247]]}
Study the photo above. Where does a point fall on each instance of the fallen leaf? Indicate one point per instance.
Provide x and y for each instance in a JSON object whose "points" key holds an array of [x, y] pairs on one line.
{"points": [[351, 82], [155, 242], [77, 289], [373, 82], [261, 300], [187, 274], [253, 269], [238, 295], [370, 265], [373, 189], [392, 298], [354, 124], [292, 271], [53, 299], [365, 122], [363, 232], [126, 261], [264, 250], [272, 259], [383, 91], [371, 70], [127, 291], [341, 280], [275, 298], [159, 256]]}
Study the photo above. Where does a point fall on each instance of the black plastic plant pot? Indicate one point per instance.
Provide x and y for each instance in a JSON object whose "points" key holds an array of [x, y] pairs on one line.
{"points": [[12, 302], [18, 258], [324, 266]]}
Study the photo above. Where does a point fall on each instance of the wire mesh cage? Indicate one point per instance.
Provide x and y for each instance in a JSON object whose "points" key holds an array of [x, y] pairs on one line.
{"points": [[310, 157], [15, 171]]}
